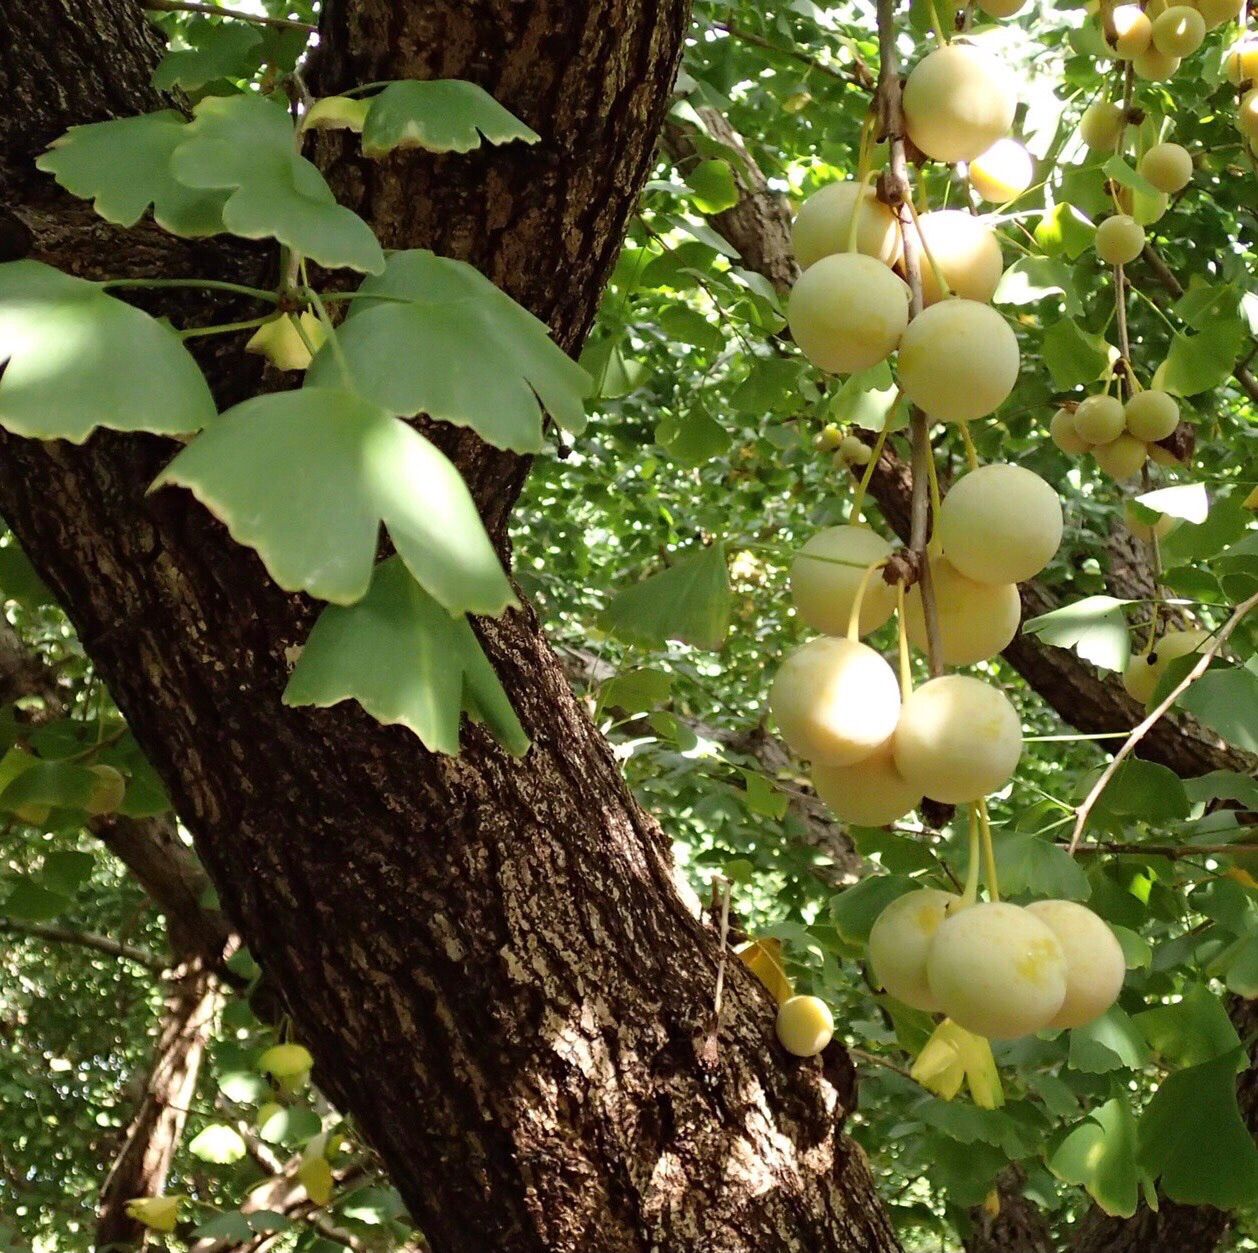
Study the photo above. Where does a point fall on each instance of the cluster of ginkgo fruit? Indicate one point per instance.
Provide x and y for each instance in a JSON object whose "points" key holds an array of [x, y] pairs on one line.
{"points": [[1120, 437]]}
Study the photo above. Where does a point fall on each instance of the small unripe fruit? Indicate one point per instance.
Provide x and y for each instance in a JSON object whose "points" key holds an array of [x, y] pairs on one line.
{"points": [[835, 701], [1154, 65], [976, 620], [997, 970], [1247, 116], [157, 1213], [855, 451], [1095, 966], [1003, 172], [1140, 678], [282, 344], [1002, 8], [900, 942], [285, 1060], [958, 739], [958, 360], [829, 438], [826, 575], [1000, 524], [1168, 167], [848, 312], [1063, 433], [1133, 31], [1179, 32], [1119, 239], [958, 101], [823, 223], [869, 794], [1151, 415], [1121, 458], [1101, 125], [1100, 418], [967, 251], [804, 1025], [107, 791], [1240, 62], [1217, 12], [1148, 531]]}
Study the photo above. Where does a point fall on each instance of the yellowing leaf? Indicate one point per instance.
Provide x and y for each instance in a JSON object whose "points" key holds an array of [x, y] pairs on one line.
{"points": [[442, 115], [764, 959], [953, 1056], [316, 1177], [282, 344], [334, 113], [157, 1213]]}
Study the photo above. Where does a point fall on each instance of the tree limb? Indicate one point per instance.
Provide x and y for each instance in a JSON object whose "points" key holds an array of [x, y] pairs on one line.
{"points": [[85, 939]]}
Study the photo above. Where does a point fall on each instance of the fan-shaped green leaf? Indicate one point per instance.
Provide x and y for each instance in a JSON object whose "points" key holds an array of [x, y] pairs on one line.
{"points": [[244, 144], [215, 50], [306, 477], [1099, 1154], [405, 660], [75, 358], [444, 341], [689, 601], [217, 1143], [443, 115]]}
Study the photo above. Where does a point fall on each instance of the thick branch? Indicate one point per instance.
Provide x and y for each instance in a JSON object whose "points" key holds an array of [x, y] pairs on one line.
{"points": [[84, 939]]}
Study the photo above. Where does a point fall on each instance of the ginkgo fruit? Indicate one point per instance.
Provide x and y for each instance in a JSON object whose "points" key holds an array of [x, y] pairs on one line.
{"points": [[855, 452], [107, 790], [848, 312], [1179, 31], [870, 793], [965, 249], [1143, 673], [1101, 125], [1095, 966], [958, 360], [997, 970], [826, 575], [1217, 12], [958, 739], [900, 942], [1100, 418], [958, 100], [804, 1025], [1167, 166], [1064, 434], [835, 701], [1000, 524], [1155, 65], [823, 225], [1240, 62], [1151, 415], [1121, 458], [976, 620], [1119, 239], [1133, 31], [1247, 116], [1002, 8], [1003, 172], [1148, 531], [285, 1060]]}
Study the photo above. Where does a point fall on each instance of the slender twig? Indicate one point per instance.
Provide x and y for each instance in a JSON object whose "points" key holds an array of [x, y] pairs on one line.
{"points": [[212, 10], [1171, 851], [1207, 655], [874, 1060], [859, 74], [84, 939]]}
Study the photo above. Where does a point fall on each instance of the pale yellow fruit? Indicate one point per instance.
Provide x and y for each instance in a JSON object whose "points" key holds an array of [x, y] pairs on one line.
{"points": [[976, 620], [835, 701], [1133, 31], [958, 101], [1217, 12], [285, 1060], [869, 794], [1119, 239], [1101, 125], [823, 223], [1163, 456], [107, 790], [1121, 458], [1168, 167], [855, 452], [826, 575], [1152, 415], [1002, 8], [1148, 531], [1179, 31], [804, 1025], [997, 970], [958, 739], [1155, 8], [1100, 418], [1000, 524], [1140, 678], [1155, 65], [1146, 208], [966, 249], [1240, 62], [1143, 673], [1247, 116], [958, 360], [900, 941], [1095, 966], [1003, 172], [848, 312], [1063, 433]]}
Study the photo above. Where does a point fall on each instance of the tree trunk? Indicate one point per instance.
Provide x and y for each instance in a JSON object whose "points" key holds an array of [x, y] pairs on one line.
{"points": [[488, 958]]}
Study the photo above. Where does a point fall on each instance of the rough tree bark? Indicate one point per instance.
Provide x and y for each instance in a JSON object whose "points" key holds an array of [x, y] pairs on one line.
{"points": [[488, 958]]}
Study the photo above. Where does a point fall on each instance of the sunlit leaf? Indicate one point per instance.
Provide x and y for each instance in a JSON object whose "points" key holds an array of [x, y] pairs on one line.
{"points": [[688, 601], [1095, 627], [1099, 1154], [442, 115], [217, 1143]]}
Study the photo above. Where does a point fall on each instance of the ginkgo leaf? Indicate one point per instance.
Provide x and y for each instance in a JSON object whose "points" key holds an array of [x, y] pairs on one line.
{"points": [[217, 1143], [244, 144], [335, 113], [764, 959], [1095, 627], [689, 601], [443, 340], [443, 115], [123, 167], [1099, 1154], [215, 50], [405, 660], [346, 466], [74, 358]]}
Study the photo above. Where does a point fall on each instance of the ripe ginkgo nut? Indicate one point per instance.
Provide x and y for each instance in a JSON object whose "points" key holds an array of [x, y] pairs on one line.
{"points": [[823, 225], [976, 620], [900, 941], [1133, 31], [1062, 431], [1154, 65], [1240, 62], [1095, 966], [1000, 524], [1143, 673], [958, 739], [855, 452], [1121, 458], [826, 575], [1179, 31], [871, 793], [1217, 12], [1003, 172], [958, 101], [1100, 419], [997, 970], [804, 1025], [1167, 166], [835, 701], [1101, 125], [965, 249], [848, 312], [958, 360], [1119, 239], [1151, 415]]}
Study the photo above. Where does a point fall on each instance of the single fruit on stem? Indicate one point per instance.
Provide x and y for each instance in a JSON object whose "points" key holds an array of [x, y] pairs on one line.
{"points": [[835, 701], [869, 794], [1240, 62], [1101, 125], [804, 1025], [823, 225], [1133, 31], [1179, 31], [855, 452], [1147, 531], [1143, 673], [1121, 458], [967, 252], [1100, 418], [1002, 8], [900, 942], [285, 1060], [827, 572], [958, 101], [1119, 239], [976, 620], [1154, 65], [1003, 172], [1168, 167], [997, 970], [1065, 435], [1095, 966], [1151, 415]]}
